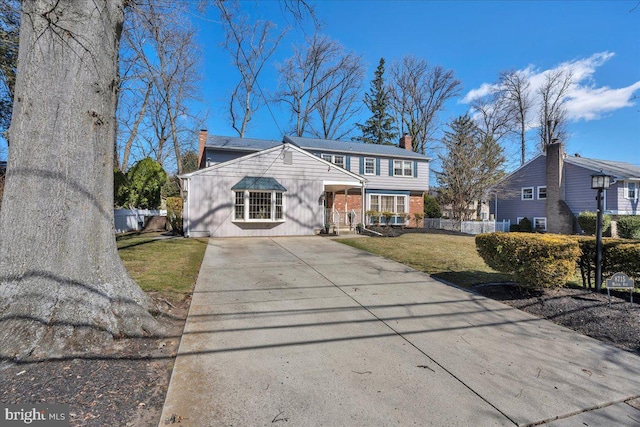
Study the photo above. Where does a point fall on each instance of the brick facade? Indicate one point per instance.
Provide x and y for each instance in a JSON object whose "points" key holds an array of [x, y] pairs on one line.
{"points": [[354, 201], [416, 205]]}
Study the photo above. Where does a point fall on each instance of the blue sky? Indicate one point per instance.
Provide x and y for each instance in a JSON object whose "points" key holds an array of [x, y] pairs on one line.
{"points": [[599, 40]]}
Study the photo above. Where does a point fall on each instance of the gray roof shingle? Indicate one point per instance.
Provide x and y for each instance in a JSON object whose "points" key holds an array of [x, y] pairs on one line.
{"points": [[353, 147], [313, 144], [620, 170], [245, 144]]}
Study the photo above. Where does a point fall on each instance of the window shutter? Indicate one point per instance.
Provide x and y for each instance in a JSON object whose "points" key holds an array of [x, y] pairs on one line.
{"points": [[390, 167], [377, 166], [415, 168], [347, 163], [361, 165]]}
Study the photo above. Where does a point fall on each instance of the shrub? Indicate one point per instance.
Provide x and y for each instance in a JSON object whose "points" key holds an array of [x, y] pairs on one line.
{"points": [[629, 227], [535, 260], [418, 217], [174, 214], [618, 255], [588, 221], [387, 217], [525, 225], [374, 216], [514, 228], [431, 207]]}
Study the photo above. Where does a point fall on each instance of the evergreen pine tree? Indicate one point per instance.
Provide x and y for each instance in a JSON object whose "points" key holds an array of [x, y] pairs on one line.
{"points": [[470, 165], [378, 129]]}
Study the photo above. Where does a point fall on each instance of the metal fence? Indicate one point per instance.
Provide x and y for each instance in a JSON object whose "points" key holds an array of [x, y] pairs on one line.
{"points": [[133, 219], [468, 227]]}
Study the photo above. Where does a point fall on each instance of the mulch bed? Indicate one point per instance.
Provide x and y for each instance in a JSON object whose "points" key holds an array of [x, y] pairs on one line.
{"points": [[126, 385]]}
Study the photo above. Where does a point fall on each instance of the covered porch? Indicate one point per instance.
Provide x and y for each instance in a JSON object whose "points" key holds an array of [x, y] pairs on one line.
{"points": [[343, 206]]}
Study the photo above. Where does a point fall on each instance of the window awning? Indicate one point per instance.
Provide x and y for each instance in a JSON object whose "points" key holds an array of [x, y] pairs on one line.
{"points": [[258, 183]]}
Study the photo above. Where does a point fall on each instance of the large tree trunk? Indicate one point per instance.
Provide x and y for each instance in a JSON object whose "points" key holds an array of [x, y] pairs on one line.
{"points": [[63, 288]]}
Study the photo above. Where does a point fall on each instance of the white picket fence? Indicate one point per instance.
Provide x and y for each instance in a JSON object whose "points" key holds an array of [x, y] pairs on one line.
{"points": [[133, 219], [468, 227]]}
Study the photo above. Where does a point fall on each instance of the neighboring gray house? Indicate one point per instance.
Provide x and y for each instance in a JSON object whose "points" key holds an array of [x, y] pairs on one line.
{"points": [[253, 187], [553, 188]]}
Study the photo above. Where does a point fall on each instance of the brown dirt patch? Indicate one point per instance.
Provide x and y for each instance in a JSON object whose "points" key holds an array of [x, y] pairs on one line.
{"points": [[583, 311], [124, 386]]}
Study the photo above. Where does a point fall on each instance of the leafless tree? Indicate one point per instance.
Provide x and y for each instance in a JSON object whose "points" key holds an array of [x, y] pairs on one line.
{"points": [[494, 115], [318, 85], [553, 114], [250, 46], [165, 58], [515, 92], [418, 94]]}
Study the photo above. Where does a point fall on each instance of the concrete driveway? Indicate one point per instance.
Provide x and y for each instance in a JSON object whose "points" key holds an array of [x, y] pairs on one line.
{"points": [[306, 331]]}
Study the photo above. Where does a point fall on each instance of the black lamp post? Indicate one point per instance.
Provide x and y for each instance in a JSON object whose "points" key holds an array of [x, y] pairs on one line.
{"points": [[599, 181]]}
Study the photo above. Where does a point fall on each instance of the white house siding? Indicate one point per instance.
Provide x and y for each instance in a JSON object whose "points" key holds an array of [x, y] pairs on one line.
{"points": [[211, 200], [510, 205]]}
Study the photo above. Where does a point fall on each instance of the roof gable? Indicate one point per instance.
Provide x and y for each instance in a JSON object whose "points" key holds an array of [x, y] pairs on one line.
{"points": [[280, 146]]}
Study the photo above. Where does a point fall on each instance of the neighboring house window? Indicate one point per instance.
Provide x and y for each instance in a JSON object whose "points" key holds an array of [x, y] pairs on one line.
{"points": [[402, 168], [542, 192], [518, 219], [632, 190], [327, 157], [369, 166], [540, 224], [527, 193]]}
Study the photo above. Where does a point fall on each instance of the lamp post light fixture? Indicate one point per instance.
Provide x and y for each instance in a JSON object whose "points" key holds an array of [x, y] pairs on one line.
{"points": [[599, 181]]}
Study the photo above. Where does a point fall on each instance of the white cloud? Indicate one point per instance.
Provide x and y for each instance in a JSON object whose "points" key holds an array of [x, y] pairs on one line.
{"points": [[584, 100]]}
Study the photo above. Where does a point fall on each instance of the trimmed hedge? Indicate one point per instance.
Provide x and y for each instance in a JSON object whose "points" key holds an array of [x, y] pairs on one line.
{"points": [[629, 227], [174, 214], [535, 260], [618, 255], [588, 221]]}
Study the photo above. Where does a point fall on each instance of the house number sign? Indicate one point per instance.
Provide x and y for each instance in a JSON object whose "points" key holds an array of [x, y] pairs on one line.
{"points": [[620, 281]]}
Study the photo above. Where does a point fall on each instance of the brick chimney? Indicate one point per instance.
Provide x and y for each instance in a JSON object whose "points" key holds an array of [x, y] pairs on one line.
{"points": [[405, 142], [560, 219], [202, 142]]}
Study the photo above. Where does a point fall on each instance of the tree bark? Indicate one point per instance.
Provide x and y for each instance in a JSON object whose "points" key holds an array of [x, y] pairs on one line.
{"points": [[63, 287]]}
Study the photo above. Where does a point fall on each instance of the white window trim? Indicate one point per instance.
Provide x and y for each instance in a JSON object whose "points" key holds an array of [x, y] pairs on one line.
{"points": [[247, 207], [365, 165], [636, 185], [518, 219], [402, 168], [331, 158], [395, 202], [538, 192], [539, 218], [522, 193]]}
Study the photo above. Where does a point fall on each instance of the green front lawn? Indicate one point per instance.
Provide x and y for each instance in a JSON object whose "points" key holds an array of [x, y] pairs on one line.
{"points": [[447, 256], [162, 265]]}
